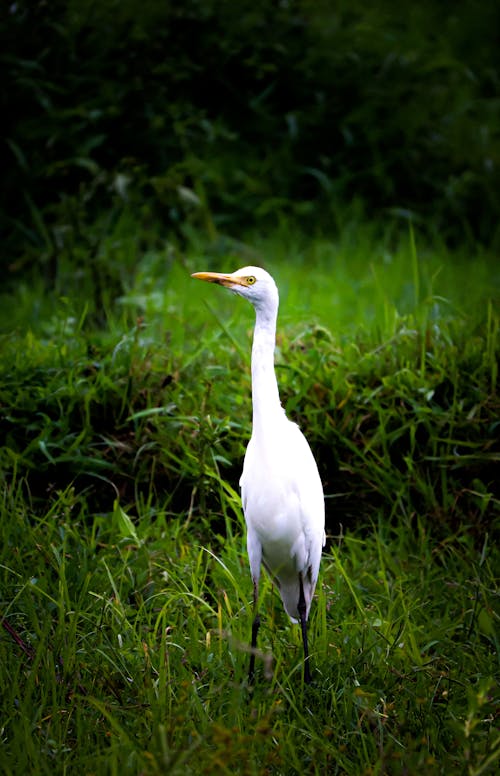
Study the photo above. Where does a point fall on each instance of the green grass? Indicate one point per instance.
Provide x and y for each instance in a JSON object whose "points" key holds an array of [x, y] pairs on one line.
{"points": [[125, 590], [135, 651]]}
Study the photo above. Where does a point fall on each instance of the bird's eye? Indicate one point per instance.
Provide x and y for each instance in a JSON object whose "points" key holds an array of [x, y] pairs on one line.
{"points": [[251, 280]]}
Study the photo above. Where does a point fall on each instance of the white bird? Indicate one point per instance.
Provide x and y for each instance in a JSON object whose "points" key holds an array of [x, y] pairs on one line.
{"points": [[281, 489]]}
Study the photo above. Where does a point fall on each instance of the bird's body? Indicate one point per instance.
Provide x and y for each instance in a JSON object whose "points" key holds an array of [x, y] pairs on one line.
{"points": [[284, 517], [281, 490]]}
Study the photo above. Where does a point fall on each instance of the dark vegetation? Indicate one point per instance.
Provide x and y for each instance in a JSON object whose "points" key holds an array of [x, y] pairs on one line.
{"points": [[228, 115]]}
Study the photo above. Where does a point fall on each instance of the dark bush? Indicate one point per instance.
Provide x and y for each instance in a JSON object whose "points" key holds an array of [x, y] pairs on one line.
{"points": [[240, 112]]}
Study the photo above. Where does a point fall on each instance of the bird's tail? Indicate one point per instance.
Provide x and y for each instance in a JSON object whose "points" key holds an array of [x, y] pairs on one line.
{"points": [[290, 594]]}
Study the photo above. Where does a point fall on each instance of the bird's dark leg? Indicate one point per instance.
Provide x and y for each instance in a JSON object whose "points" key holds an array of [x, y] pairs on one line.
{"points": [[303, 624], [255, 630]]}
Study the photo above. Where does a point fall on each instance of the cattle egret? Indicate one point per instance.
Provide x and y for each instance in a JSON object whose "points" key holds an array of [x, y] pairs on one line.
{"points": [[281, 490]]}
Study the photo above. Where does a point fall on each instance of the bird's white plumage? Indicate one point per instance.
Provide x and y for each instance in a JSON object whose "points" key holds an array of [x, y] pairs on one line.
{"points": [[284, 511], [281, 490]]}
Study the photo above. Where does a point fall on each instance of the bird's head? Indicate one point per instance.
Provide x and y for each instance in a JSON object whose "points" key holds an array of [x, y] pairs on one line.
{"points": [[254, 283]]}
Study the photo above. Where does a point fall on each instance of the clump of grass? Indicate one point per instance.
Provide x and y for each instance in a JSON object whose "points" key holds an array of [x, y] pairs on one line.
{"points": [[401, 405]]}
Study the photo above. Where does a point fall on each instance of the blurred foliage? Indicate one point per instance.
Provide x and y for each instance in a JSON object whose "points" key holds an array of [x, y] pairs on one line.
{"points": [[226, 115]]}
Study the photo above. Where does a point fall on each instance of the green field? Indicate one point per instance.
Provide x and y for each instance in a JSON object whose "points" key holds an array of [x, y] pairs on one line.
{"points": [[125, 592]]}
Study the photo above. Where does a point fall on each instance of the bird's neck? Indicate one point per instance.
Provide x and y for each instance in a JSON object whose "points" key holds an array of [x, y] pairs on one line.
{"points": [[265, 395]]}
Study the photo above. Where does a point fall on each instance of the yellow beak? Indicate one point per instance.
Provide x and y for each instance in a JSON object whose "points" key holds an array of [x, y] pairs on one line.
{"points": [[220, 278]]}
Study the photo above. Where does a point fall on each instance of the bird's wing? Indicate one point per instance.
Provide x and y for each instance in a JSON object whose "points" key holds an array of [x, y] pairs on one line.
{"points": [[306, 483]]}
